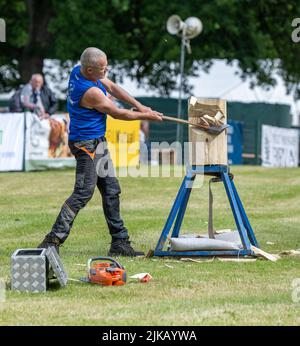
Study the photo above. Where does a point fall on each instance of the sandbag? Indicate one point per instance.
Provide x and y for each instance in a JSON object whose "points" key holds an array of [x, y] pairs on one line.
{"points": [[194, 244], [233, 237]]}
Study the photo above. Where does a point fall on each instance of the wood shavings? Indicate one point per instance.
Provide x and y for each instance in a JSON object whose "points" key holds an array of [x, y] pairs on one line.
{"points": [[168, 266], [209, 119], [193, 100], [290, 253], [219, 116], [75, 280], [221, 231], [261, 253], [202, 260], [238, 260]]}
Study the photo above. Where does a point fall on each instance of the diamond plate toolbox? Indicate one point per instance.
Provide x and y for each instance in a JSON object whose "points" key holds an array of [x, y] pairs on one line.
{"points": [[29, 270]]}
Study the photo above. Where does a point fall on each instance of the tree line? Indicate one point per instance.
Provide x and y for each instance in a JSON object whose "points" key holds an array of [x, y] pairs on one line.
{"points": [[256, 33]]}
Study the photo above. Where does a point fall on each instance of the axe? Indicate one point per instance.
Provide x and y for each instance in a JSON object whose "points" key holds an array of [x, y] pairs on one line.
{"points": [[215, 130]]}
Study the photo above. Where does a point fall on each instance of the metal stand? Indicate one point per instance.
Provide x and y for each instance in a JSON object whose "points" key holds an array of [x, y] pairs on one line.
{"points": [[179, 207]]}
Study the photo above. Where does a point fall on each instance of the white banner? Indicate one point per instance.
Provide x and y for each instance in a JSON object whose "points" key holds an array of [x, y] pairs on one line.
{"points": [[279, 147], [47, 143], [37, 137], [11, 141]]}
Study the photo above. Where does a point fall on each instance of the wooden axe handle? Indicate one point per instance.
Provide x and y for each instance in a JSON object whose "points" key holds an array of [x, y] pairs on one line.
{"points": [[179, 121], [182, 121]]}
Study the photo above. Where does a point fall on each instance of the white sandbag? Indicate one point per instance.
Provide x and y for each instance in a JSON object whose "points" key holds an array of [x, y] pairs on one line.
{"points": [[193, 244], [233, 237]]}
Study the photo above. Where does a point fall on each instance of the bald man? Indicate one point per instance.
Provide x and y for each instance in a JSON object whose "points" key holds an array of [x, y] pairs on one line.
{"points": [[88, 105], [38, 98]]}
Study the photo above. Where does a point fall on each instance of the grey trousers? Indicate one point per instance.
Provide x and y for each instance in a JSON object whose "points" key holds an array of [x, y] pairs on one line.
{"points": [[93, 167]]}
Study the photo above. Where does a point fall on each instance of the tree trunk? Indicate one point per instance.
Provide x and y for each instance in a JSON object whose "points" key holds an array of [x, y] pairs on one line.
{"points": [[33, 54], [30, 64]]}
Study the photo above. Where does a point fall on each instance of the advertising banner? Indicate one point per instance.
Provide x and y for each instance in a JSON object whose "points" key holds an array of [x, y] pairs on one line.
{"points": [[47, 142], [123, 142], [44, 142], [235, 142], [279, 147], [11, 141]]}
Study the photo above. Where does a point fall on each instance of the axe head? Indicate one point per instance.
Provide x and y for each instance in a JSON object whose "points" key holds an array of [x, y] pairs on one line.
{"points": [[215, 130]]}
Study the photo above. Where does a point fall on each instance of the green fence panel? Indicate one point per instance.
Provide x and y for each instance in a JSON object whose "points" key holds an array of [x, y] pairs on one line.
{"points": [[252, 115]]}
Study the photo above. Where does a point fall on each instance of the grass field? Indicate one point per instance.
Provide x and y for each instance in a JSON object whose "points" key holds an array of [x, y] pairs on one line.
{"points": [[181, 293]]}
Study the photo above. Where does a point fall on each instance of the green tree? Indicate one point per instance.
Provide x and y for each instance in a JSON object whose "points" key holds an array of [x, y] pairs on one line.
{"points": [[257, 33]]}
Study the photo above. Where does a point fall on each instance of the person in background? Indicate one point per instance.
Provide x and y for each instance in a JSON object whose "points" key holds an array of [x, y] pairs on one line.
{"points": [[38, 98]]}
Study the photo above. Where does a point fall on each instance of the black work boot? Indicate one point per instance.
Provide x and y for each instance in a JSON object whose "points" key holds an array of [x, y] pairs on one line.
{"points": [[50, 241], [122, 247]]}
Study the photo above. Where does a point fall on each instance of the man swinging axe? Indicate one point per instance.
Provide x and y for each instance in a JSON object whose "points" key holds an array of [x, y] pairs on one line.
{"points": [[88, 105]]}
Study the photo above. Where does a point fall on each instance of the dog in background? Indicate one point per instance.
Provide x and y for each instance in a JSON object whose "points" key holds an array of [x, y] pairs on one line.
{"points": [[58, 139]]}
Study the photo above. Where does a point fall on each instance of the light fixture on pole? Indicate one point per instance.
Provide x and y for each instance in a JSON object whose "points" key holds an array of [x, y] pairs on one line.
{"points": [[187, 30]]}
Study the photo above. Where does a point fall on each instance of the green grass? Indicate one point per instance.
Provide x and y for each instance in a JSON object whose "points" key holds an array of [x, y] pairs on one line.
{"points": [[181, 293]]}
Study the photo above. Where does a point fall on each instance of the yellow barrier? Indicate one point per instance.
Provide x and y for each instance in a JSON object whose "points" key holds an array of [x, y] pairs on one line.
{"points": [[123, 141]]}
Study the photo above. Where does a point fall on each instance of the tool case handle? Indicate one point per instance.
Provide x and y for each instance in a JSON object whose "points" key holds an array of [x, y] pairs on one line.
{"points": [[94, 259]]}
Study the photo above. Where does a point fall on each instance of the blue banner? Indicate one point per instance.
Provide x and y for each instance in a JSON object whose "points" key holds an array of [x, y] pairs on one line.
{"points": [[235, 142]]}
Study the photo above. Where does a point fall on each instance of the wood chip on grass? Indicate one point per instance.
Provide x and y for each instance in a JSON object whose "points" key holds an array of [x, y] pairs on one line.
{"points": [[168, 266], [200, 260], [290, 253], [260, 253], [237, 259]]}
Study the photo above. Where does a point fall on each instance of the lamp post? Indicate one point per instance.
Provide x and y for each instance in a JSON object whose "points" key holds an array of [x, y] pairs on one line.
{"points": [[187, 30]]}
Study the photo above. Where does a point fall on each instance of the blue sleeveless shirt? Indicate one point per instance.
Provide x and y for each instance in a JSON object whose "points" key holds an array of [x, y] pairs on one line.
{"points": [[85, 123]]}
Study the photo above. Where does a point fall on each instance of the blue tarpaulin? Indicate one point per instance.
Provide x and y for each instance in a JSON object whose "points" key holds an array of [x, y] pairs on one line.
{"points": [[235, 142]]}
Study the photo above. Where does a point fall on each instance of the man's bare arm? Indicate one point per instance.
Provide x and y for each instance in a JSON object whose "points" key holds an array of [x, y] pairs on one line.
{"points": [[25, 98], [94, 98], [123, 95]]}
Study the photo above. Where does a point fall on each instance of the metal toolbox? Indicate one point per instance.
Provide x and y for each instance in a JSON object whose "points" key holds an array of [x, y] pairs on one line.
{"points": [[30, 269]]}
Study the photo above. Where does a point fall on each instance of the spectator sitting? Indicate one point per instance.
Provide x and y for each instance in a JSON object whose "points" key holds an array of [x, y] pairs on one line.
{"points": [[36, 97]]}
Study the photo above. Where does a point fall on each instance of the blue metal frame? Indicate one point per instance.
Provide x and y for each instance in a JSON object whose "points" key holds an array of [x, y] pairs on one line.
{"points": [[179, 207]]}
